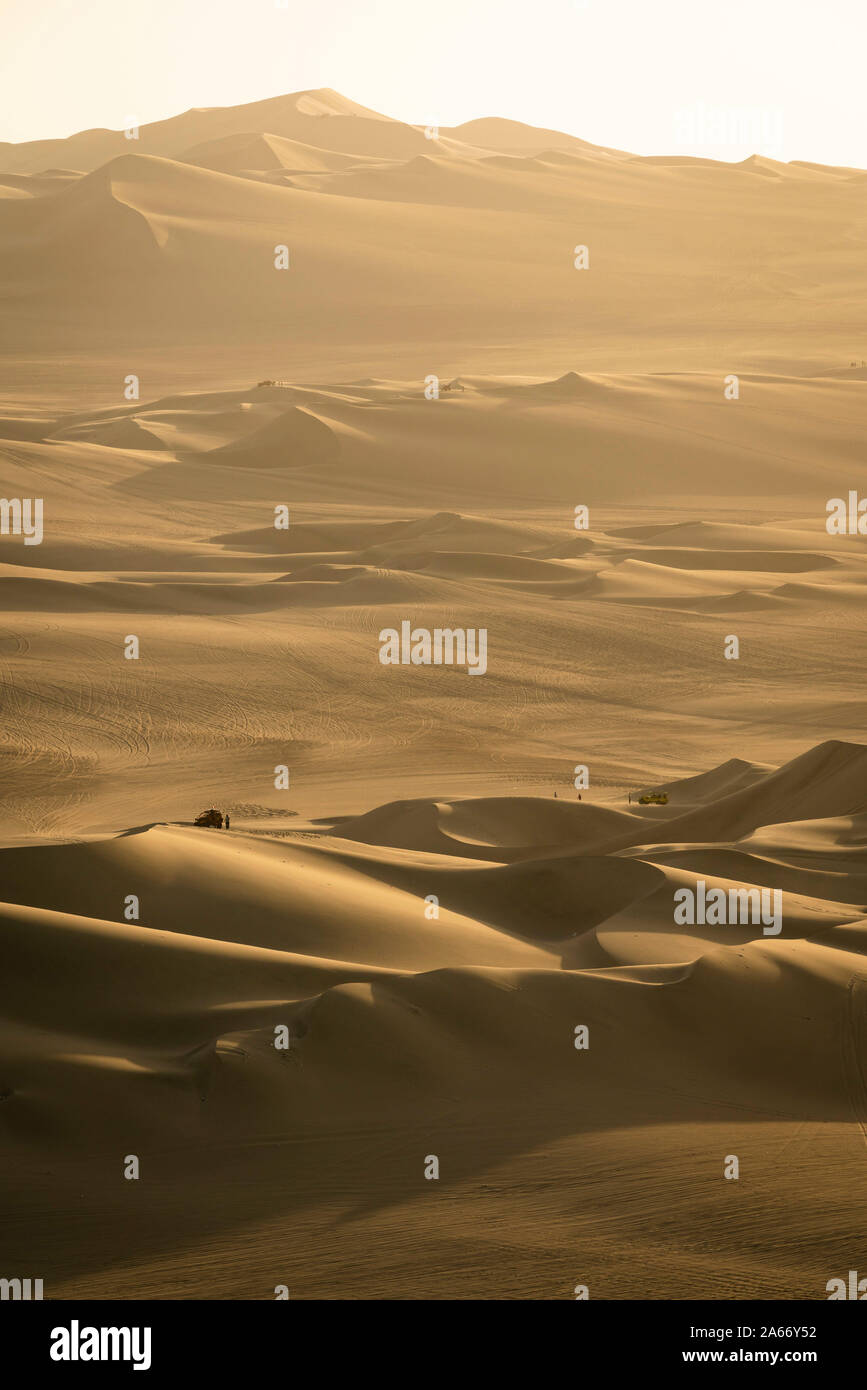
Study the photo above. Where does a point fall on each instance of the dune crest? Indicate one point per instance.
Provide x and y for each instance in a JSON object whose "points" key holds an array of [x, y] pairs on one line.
{"points": [[286, 379]]}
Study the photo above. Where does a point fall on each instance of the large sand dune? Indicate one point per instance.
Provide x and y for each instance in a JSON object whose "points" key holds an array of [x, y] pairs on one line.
{"points": [[454, 1036], [427, 907], [452, 253]]}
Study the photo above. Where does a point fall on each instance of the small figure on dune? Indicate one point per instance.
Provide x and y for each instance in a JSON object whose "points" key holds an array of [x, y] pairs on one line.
{"points": [[227, 820]]}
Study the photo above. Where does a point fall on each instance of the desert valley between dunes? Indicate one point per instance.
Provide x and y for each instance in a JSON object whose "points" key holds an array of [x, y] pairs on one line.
{"points": [[427, 909]]}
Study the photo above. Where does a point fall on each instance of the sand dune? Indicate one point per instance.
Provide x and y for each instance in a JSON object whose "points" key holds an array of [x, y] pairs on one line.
{"points": [[254, 153], [468, 444], [430, 419], [454, 250], [165, 509], [444, 1018]]}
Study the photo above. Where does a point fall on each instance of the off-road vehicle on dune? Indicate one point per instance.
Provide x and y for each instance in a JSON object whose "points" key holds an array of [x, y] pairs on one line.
{"points": [[211, 817], [653, 799]]}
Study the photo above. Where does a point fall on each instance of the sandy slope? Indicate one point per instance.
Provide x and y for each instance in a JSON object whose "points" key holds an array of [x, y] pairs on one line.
{"points": [[412, 1036], [260, 646], [448, 254], [412, 1031]]}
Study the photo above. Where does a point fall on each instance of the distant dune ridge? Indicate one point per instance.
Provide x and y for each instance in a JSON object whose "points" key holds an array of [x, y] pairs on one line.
{"points": [[441, 923], [448, 248]]}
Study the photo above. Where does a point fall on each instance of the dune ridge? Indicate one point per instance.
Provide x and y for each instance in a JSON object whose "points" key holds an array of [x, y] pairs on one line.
{"points": [[322, 931], [493, 210], [288, 377]]}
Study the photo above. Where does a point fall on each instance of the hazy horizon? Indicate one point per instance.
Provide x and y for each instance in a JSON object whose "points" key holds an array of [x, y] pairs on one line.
{"points": [[723, 85]]}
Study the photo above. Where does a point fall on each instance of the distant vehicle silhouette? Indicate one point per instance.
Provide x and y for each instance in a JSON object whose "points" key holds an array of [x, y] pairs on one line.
{"points": [[653, 799], [212, 817]]}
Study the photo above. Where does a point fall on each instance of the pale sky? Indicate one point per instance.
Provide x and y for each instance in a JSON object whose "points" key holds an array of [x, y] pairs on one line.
{"points": [[724, 78]]}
